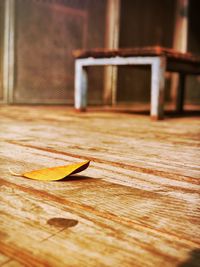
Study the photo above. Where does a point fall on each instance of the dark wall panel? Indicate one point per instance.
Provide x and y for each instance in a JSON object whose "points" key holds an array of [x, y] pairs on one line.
{"points": [[46, 34], [149, 23], [143, 23], [96, 38], [193, 82]]}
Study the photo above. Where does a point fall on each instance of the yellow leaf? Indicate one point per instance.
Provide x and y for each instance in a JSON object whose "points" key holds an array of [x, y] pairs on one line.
{"points": [[56, 173]]}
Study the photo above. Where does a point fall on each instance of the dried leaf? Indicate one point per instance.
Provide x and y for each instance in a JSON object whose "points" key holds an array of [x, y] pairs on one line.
{"points": [[55, 173]]}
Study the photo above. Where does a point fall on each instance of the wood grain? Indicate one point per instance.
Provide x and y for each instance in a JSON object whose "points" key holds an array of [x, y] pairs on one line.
{"points": [[136, 205], [137, 51]]}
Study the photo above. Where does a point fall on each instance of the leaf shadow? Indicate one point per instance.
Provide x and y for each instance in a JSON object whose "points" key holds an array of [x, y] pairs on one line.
{"points": [[193, 260], [77, 177]]}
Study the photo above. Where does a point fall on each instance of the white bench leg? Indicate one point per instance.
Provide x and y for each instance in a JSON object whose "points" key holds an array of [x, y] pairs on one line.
{"points": [[81, 83], [157, 87]]}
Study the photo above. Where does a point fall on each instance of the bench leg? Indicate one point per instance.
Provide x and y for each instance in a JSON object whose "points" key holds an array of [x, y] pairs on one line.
{"points": [[157, 87], [180, 93], [81, 84]]}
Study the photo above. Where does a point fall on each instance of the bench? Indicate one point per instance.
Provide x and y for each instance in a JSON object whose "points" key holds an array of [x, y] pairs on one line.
{"points": [[160, 59]]}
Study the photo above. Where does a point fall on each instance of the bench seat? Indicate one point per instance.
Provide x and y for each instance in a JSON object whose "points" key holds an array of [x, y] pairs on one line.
{"points": [[159, 58]]}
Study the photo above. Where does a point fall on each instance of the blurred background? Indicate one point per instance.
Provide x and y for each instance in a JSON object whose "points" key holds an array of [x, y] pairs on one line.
{"points": [[37, 38]]}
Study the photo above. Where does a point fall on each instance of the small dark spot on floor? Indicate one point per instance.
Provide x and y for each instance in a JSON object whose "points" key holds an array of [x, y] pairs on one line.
{"points": [[193, 260], [62, 222]]}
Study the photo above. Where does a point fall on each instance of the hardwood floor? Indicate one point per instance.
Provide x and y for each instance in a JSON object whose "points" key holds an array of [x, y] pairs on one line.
{"points": [[138, 204]]}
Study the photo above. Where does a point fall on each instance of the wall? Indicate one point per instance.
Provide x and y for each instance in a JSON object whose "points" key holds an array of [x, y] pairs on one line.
{"points": [[46, 34], [1, 47], [48, 31], [143, 23], [149, 23], [193, 82]]}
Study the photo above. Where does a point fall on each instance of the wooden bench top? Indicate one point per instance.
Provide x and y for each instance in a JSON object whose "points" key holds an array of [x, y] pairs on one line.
{"points": [[176, 61], [143, 51]]}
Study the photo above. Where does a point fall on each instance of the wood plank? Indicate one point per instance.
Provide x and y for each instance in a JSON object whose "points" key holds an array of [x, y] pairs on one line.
{"points": [[13, 263], [86, 229], [3, 259], [137, 51], [136, 205], [40, 210]]}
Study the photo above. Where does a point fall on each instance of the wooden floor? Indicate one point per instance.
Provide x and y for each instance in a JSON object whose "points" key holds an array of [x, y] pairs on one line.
{"points": [[138, 203]]}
